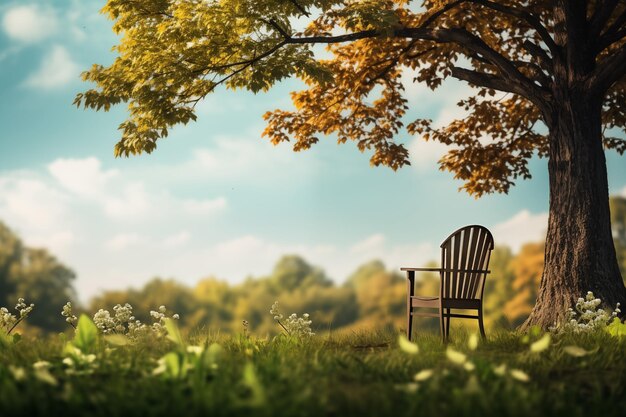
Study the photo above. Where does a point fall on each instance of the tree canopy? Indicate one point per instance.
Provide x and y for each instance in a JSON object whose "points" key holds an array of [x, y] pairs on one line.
{"points": [[173, 53]]}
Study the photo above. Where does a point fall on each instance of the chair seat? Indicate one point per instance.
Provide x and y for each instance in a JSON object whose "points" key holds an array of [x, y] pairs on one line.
{"points": [[422, 301], [433, 302]]}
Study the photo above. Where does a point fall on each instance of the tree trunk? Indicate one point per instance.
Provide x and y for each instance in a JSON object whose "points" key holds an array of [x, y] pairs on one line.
{"points": [[579, 255]]}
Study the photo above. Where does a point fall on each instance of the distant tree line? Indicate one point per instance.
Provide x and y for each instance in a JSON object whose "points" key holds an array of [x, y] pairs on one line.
{"points": [[37, 276], [372, 296]]}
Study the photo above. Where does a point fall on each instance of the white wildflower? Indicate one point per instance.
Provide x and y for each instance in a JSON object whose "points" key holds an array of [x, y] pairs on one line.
{"points": [[9, 321], [293, 325], [70, 318], [586, 316]]}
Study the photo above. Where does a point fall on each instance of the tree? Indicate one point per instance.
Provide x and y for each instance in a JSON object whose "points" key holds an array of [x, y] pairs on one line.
{"points": [[498, 287], [292, 272], [47, 283], [37, 276], [176, 297], [526, 268], [10, 259], [381, 294], [549, 79]]}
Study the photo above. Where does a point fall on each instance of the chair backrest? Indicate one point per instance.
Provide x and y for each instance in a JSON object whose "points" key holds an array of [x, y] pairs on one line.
{"points": [[469, 248]]}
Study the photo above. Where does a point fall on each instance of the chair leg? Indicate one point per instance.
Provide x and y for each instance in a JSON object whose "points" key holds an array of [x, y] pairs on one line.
{"points": [[448, 324], [442, 325], [481, 326], [410, 288]]}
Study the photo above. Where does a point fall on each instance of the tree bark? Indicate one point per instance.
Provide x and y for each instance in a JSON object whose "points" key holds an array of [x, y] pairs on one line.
{"points": [[580, 255]]}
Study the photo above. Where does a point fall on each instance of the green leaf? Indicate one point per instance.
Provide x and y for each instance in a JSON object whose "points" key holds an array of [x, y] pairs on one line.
{"points": [[86, 334], [541, 344], [213, 353], [175, 365], [173, 333], [4, 339], [616, 328], [116, 339], [407, 346], [251, 381]]}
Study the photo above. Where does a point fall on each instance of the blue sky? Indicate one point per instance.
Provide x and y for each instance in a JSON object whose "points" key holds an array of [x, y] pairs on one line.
{"points": [[215, 198]]}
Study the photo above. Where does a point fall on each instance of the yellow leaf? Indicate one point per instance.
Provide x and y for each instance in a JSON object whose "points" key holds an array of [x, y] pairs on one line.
{"points": [[520, 375], [500, 370], [472, 343], [423, 375], [455, 356], [407, 346], [577, 351], [541, 344]]}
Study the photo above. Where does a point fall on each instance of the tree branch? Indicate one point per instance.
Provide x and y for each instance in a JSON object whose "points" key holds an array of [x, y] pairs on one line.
{"points": [[525, 87], [615, 32], [276, 26], [349, 37], [481, 79], [600, 17], [537, 73], [299, 7], [608, 71], [519, 13], [529, 18], [539, 54], [511, 74]]}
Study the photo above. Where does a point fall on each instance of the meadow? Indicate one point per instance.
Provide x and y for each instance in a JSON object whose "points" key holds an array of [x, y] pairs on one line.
{"points": [[374, 373]]}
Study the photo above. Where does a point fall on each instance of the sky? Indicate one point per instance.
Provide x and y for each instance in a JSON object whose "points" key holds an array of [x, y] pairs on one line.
{"points": [[216, 199]]}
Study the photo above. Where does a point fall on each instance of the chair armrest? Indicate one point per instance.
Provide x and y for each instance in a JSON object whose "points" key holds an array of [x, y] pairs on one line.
{"points": [[421, 269], [483, 271]]}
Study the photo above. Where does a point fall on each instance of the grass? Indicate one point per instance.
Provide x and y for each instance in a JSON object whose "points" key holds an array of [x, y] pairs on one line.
{"points": [[364, 374]]}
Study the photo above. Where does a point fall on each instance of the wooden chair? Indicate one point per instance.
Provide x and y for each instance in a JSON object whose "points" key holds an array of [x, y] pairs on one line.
{"points": [[464, 268]]}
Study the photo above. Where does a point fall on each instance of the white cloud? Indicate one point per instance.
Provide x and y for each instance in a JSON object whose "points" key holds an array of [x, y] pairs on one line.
{"points": [[81, 176], [59, 243], [204, 206], [36, 211], [57, 69], [424, 155], [29, 23], [248, 158], [122, 199], [394, 255], [31, 203], [124, 241], [227, 258], [522, 228], [79, 208], [177, 239], [372, 243], [132, 203]]}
